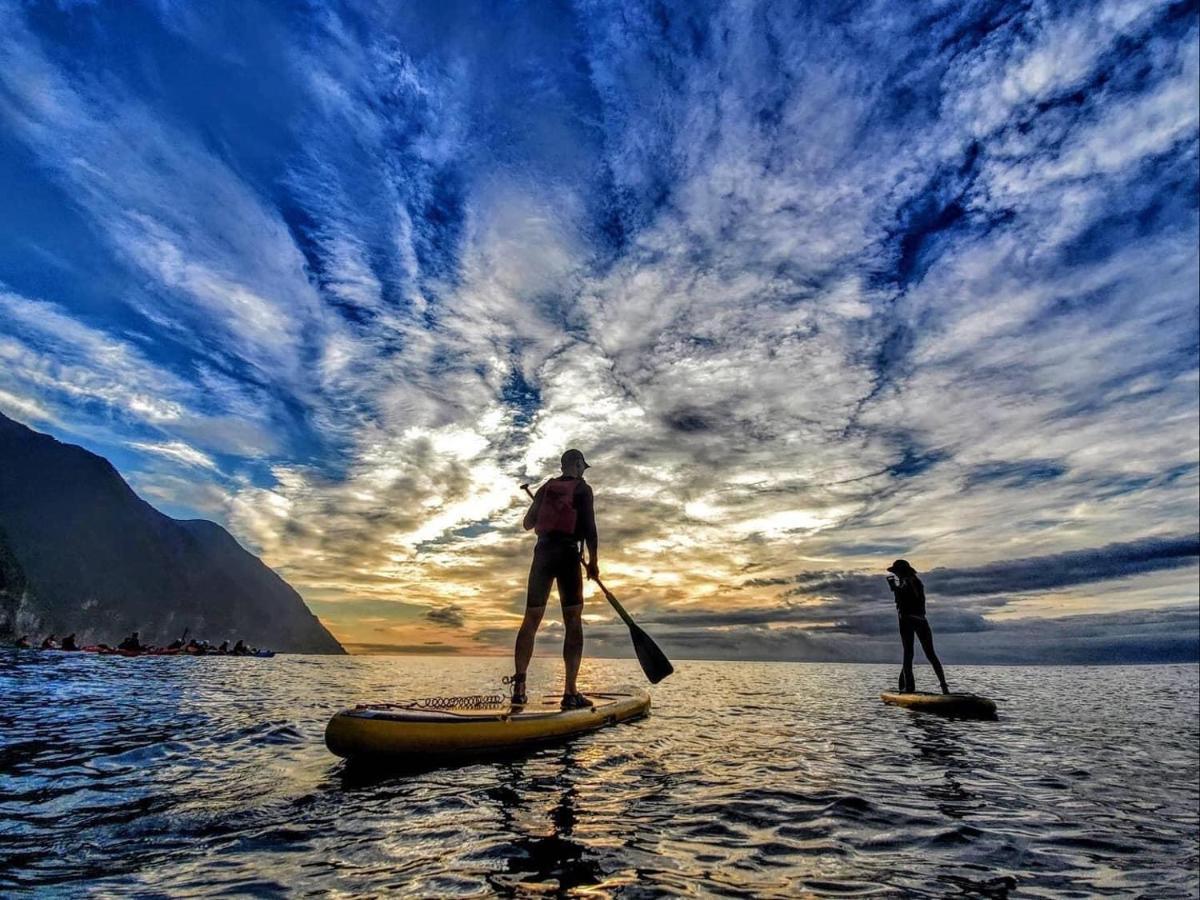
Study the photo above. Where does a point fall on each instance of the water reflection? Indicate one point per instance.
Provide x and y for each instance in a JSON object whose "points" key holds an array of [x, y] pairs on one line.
{"points": [[539, 803], [535, 801], [938, 745]]}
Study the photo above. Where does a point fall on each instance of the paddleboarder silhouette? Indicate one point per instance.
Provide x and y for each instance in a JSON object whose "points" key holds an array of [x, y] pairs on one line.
{"points": [[563, 516], [909, 594]]}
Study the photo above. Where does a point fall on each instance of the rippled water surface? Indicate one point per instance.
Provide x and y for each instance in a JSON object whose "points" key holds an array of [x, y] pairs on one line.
{"points": [[127, 777]]}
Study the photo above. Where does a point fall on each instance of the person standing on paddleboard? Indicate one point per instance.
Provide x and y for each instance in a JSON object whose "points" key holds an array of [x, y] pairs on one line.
{"points": [[909, 594], [563, 516]]}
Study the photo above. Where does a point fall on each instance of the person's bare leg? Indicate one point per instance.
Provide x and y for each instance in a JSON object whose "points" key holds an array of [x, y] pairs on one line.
{"points": [[572, 646], [907, 680], [525, 638], [925, 634]]}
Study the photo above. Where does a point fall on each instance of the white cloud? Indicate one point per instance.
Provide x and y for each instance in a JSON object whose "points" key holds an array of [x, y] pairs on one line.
{"points": [[177, 450]]}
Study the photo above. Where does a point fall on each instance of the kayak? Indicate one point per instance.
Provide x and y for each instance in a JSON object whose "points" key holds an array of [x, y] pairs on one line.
{"points": [[471, 725], [961, 706]]}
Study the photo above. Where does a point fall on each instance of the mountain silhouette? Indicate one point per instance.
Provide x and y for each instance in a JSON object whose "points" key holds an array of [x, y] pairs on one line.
{"points": [[80, 551]]}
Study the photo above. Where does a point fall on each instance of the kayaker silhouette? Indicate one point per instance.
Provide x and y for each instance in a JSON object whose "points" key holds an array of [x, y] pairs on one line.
{"points": [[909, 594], [563, 516], [131, 644]]}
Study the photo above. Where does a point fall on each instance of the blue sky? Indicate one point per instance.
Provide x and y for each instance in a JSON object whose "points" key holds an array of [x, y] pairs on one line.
{"points": [[813, 286]]}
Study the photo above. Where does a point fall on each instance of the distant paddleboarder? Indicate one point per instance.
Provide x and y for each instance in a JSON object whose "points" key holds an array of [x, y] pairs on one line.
{"points": [[909, 594], [563, 516]]}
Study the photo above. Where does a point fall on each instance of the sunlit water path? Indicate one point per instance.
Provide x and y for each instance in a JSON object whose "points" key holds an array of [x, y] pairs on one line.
{"points": [[209, 776]]}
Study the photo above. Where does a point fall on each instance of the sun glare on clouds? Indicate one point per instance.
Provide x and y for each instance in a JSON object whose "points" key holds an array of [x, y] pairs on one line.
{"points": [[809, 291]]}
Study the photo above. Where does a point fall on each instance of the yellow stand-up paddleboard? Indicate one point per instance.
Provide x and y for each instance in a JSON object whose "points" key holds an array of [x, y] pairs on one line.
{"points": [[471, 725], [959, 706]]}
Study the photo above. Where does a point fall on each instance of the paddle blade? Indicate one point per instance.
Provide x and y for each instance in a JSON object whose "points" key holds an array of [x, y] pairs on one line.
{"points": [[654, 662]]}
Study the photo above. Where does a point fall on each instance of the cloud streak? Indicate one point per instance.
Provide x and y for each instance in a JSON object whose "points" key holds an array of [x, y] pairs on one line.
{"points": [[812, 290]]}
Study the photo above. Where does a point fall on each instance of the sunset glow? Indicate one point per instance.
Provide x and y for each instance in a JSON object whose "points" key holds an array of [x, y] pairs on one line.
{"points": [[809, 296]]}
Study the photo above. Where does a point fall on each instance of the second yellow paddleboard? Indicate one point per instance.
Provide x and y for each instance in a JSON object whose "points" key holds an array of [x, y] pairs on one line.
{"points": [[959, 706]]}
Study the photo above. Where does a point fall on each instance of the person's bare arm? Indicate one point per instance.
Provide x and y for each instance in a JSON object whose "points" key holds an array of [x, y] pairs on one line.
{"points": [[532, 514], [587, 513]]}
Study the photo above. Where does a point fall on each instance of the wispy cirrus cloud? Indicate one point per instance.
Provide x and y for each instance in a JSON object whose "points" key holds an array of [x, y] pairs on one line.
{"points": [[178, 451], [812, 291]]}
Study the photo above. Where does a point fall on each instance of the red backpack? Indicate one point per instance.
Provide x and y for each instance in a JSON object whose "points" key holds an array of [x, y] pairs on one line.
{"points": [[557, 512]]}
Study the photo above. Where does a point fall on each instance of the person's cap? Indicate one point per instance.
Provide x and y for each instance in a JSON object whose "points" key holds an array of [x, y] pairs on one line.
{"points": [[571, 455], [899, 566]]}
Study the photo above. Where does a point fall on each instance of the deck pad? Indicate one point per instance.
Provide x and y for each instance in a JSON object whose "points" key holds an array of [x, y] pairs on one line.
{"points": [[537, 707]]}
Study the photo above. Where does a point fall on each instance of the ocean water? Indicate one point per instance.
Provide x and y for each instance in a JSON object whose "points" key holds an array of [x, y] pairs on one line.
{"points": [[207, 777]]}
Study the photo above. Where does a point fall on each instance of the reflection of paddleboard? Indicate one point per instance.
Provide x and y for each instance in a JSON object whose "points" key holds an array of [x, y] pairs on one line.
{"points": [[962, 706], [413, 730]]}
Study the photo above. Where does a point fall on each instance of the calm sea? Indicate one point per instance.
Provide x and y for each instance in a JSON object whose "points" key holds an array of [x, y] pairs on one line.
{"points": [[201, 777]]}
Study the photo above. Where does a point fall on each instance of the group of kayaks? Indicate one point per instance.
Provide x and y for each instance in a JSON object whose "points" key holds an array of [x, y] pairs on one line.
{"points": [[105, 650]]}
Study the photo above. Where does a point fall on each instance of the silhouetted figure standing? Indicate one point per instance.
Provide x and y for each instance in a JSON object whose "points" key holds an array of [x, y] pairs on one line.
{"points": [[909, 594], [563, 515]]}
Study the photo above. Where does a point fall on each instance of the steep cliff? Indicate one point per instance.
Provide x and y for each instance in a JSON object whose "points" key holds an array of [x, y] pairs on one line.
{"points": [[80, 551]]}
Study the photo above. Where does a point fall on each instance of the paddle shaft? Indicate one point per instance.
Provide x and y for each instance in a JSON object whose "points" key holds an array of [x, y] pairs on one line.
{"points": [[608, 595]]}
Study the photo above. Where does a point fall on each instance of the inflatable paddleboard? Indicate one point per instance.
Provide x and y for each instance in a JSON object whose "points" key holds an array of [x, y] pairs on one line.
{"points": [[961, 706], [410, 731]]}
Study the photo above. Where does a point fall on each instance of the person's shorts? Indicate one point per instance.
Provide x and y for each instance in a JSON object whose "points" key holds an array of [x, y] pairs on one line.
{"points": [[555, 560]]}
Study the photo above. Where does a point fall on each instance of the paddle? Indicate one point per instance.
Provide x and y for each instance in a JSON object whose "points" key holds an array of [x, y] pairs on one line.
{"points": [[653, 661]]}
